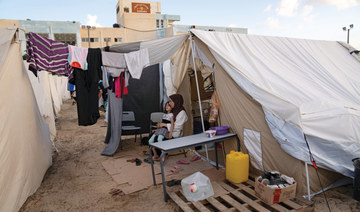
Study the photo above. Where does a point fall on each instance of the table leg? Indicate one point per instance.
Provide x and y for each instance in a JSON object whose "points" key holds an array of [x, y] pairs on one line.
{"points": [[162, 175], [216, 156], [152, 165], [238, 143]]}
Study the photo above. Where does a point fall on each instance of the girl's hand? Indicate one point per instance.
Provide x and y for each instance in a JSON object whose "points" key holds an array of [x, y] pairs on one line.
{"points": [[159, 125]]}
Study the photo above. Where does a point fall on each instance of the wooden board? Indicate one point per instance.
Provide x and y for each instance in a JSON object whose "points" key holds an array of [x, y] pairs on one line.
{"points": [[238, 197]]}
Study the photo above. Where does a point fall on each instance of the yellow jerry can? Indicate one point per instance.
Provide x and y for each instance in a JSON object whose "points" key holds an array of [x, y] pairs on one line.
{"points": [[237, 167]]}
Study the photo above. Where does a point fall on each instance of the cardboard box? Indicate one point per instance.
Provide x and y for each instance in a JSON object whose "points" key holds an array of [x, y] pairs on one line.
{"points": [[274, 195]]}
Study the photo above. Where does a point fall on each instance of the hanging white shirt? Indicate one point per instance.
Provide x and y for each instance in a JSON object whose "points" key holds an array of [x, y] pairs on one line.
{"points": [[136, 61]]}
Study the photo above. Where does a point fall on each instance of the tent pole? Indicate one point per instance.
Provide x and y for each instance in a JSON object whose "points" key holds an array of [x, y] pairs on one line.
{"points": [[198, 92], [307, 180]]}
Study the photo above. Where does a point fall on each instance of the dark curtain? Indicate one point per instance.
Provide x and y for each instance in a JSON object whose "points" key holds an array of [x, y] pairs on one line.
{"points": [[144, 97]]}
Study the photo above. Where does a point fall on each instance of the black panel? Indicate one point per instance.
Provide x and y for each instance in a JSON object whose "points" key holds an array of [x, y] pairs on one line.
{"points": [[144, 97]]}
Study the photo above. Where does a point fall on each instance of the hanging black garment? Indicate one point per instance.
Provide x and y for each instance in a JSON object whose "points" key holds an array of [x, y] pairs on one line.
{"points": [[86, 82]]}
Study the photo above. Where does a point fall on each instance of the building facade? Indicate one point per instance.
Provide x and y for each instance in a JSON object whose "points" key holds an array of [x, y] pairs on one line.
{"points": [[63, 31], [98, 37], [143, 19], [136, 21]]}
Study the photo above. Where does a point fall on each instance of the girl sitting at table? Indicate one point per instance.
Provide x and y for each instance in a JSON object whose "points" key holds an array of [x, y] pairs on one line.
{"points": [[163, 132], [176, 102]]}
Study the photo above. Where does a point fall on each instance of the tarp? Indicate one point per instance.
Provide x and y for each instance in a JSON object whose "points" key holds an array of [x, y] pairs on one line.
{"points": [[160, 50], [143, 98], [25, 146]]}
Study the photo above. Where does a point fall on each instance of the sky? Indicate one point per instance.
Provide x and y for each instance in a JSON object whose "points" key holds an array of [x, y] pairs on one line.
{"points": [[309, 19]]}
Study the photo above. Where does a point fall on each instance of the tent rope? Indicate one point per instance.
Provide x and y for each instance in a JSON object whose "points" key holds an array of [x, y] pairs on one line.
{"points": [[312, 159]]}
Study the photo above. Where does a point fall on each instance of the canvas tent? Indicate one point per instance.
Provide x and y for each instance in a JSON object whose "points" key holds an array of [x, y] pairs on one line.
{"points": [[25, 146], [283, 88], [276, 94]]}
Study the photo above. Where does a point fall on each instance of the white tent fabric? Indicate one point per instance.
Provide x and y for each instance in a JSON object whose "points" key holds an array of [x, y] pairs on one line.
{"points": [[304, 86], [37, 88], [25, 147], [58, 83], [55, 97], [65, 93], [47, 103]]}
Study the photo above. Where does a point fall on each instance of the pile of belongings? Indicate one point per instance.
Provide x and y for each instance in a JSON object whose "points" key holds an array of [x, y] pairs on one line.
{"points": [[273, 179]]}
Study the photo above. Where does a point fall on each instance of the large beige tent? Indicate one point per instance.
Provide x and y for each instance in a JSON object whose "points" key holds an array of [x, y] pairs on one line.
{"points": [[25, 146], [277, 93]]}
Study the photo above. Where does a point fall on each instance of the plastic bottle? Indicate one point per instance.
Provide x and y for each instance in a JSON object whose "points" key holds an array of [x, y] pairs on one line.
{"points": [[197, 187]]}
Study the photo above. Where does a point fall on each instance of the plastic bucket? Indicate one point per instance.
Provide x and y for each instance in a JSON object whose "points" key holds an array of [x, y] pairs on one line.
{"points": [[220, 130], [356, 162]]}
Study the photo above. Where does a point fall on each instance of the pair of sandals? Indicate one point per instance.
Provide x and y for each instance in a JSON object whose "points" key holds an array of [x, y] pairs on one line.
{"points": [[184, 162], [135, 160], [174, 170], [173, 183], [115, 191]]}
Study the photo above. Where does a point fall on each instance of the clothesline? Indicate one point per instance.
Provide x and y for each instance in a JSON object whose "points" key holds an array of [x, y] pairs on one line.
{"points": [[60, 58], [86, 68]]}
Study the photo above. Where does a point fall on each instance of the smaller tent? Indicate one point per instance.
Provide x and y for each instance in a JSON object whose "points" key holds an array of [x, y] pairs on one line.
{"points": [[25, 146]]}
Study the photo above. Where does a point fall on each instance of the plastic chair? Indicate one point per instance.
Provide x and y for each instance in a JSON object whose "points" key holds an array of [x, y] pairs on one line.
{"points": [[155, 117], [128, 119]]}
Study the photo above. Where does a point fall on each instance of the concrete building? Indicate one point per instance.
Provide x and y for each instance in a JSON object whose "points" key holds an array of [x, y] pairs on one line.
{"points": [[63, 31], [136, 21], [98, 37], [143, 19]]}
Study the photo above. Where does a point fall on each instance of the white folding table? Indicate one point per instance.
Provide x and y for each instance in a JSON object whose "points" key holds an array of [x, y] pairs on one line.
{"points": [[185, 143]]}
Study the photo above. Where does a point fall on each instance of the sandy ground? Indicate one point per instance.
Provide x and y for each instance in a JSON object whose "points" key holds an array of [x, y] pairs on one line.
{"points": [[77, 180]]}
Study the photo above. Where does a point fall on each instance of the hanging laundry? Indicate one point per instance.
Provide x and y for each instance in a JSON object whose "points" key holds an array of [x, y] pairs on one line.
{"points": [[86, 83], [46, 54], [120, 88], [77, 57], [136, 61], [113, 133], [113, 65]]}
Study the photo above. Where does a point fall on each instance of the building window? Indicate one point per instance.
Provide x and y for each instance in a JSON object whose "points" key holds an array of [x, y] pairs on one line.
{"points": [[68, 38], [157, 23], [117, 39], [107, 39], [92, 40], [126, 9], [117, 10], [162, 23], [84, 39]]}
